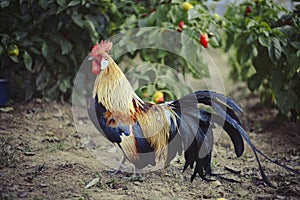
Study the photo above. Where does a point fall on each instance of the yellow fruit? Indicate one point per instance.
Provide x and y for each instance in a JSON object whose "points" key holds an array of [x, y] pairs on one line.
{"points": [[221, 199], [13, 50], [217, 17], [223, 24], [187, 6], [158, 97]]}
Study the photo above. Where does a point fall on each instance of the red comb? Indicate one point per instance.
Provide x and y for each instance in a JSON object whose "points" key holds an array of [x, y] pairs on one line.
{"points": [[104, 46]]}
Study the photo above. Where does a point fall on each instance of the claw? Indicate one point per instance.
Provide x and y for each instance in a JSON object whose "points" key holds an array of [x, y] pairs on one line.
{"points": [[134, 178], [220, 176], [115, 172], [137, 173]]}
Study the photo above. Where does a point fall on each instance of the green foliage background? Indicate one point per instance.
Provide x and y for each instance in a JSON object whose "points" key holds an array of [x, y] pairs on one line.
{"points": [[265, 52], [53, 38]]}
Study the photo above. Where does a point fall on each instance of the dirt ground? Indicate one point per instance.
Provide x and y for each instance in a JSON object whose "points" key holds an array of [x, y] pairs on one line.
{"points": [[42, 157]]}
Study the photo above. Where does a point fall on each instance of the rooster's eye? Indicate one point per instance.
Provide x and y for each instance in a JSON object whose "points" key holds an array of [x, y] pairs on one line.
{"points": [[104, 63]]}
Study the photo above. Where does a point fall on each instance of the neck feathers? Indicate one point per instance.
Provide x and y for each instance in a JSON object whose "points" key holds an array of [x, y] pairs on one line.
{"points": [[115, 92]]}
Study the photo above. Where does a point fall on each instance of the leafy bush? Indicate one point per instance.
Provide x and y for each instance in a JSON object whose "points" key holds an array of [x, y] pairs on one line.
{"points": [[189, 19], [169, 14], [266, 51], [43, 42]]}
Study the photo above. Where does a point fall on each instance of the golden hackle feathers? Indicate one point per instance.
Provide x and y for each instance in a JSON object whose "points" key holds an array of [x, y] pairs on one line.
{"points": [[114, 90]]}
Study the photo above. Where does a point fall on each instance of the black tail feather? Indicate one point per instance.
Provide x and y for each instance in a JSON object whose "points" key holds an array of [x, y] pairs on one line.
{"points": [[237, 126], [224, 115]]}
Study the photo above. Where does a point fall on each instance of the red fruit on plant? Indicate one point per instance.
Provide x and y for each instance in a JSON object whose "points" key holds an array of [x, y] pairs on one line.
{"points": [[247, 11], [204, 40], [145, 15], [181, 25], [288, 22], [160, 100]]}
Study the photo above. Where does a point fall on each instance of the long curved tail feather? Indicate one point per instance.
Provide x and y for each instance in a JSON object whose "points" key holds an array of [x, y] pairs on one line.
{"points": [[224, 114]]}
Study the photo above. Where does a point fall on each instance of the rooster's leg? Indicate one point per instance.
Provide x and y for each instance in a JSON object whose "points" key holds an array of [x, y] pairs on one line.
{"points": [[120, 168], [137, 173]]}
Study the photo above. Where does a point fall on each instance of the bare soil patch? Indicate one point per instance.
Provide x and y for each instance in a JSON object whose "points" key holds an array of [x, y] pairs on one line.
{"points": [[42, 157]]}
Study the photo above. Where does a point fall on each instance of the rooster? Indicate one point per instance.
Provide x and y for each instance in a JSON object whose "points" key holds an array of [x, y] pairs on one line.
{"points": [[150, 133]]}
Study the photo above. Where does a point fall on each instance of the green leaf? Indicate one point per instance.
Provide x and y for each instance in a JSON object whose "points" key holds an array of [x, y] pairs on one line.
{"points": [[66, 47], [42, 80], [254, 51], [229, 43], [74, 3], [193, 14], [45, 49], [244, 54], [266, 25], [67, 83], [174, 12], [61, 3], [254, 82], [250, 23], [62, 87], [214, 42], [27, 60], [35, 50], [262, 63], [286, 100], [296, 45], [4, 4], [60, 9], [14, 59], [92, 30], [53, 92], [29, 90], [277, 81], [293, 64], [43, 3], [151, 89], [77, 20], [169, 93], [264, 41], [274, 50]]}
